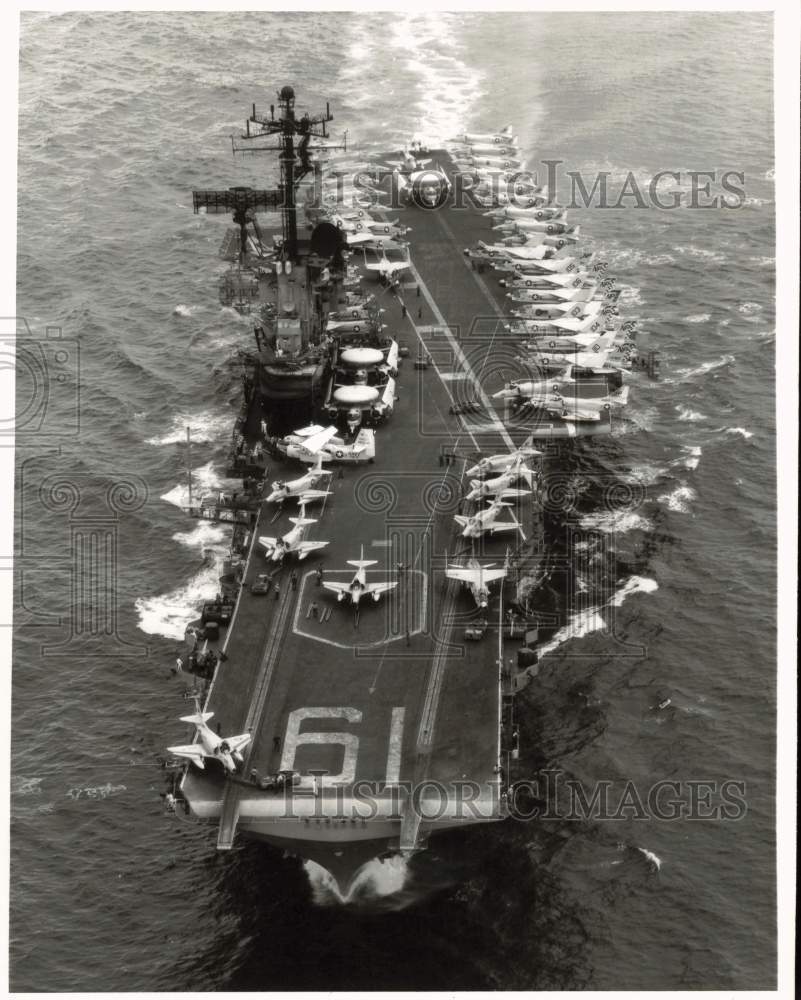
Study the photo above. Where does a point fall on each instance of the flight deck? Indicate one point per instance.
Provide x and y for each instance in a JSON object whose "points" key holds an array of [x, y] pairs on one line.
{"points": [[390, 717]]}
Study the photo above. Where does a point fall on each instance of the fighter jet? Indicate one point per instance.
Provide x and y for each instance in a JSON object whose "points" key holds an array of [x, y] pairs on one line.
{"points": [[388, 267], [536, 389], [304, 485], [521, 270], [495, 162], [476, 577], [486, 520], [227, 750], [581, 345], [527, 227], [480, 488], [538, 254], [587, 323], [418, 182], [493, 463], [586, 293], [579, 408], [552, 312], [370, 239], [293, 541], [510, 149], [358, 586], [527, 287], [536, 212], [501, 136], [549, 309]]}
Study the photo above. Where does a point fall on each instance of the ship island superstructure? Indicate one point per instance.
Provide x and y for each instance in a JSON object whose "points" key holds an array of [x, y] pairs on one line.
{"points": [[368, 441]]}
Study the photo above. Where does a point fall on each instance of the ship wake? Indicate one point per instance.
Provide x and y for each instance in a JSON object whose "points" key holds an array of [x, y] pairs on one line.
{"points": [[376, 881]]}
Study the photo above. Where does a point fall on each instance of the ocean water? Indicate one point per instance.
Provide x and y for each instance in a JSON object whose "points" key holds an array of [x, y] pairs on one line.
{"points": [[121, 115]]}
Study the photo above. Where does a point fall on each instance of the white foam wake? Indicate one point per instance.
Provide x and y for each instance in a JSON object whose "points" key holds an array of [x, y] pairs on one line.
{"points": [[378, 878], [204, 480], [447, 90], [679, 499], [706, 367], [206, 426], [686, 414], [692, 456], [615, 522], [169, 614], [581, 624], [738, 430], [591, 620], [651, 858], [634, 585]]}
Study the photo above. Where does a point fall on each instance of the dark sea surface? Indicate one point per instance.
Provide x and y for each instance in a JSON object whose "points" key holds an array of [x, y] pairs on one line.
{"points": [[121, 116]]}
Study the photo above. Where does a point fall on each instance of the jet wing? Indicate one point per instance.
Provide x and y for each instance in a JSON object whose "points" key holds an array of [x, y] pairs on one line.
{"points": [[304, 548], [268, 543], [237, 743], [379, 588], [362, 237], [576, 325], [580, 415], [488, 575], [337, 588], [476, 576], [307, 432], [525, 253], [316, 442], [192, 751]]}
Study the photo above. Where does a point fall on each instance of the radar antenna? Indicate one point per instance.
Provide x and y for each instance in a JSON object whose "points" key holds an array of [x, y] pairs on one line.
{"points": [[295, 161]]}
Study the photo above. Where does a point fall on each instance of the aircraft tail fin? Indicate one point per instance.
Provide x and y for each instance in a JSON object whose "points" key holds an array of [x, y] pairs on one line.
{"points": [[198, 719], [361, 562], [303, 520]]}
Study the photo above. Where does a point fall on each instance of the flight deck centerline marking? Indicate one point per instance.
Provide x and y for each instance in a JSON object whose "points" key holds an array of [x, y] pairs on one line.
{"points": [[484, 288], [459, 355], [457, 350]]}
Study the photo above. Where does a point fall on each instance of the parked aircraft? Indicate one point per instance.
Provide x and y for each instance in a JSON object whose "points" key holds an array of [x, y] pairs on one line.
{"points": [[358, 586], [293, 541], [307, 482], [209, 746], [476, 578], [487, 520]]}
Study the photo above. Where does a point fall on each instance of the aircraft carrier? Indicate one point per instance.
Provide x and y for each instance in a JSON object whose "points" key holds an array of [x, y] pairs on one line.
{"points": [[367, 727]]}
